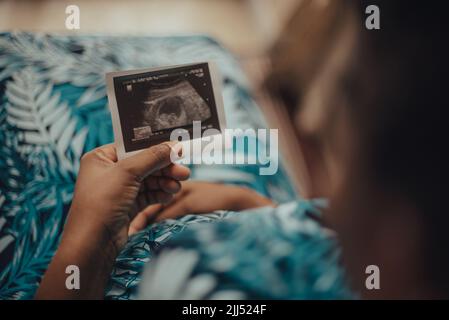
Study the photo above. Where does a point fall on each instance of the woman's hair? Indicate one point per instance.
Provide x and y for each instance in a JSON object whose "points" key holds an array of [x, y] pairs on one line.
{"points": [[396, 91], [395, 86]]}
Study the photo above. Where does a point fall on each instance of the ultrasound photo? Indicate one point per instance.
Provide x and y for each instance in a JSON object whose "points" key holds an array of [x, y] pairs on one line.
{"points": [[173, 104], [147, 105]]}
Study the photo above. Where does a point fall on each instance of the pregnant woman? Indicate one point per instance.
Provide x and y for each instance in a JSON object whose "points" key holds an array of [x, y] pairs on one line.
{"points": [[376, 107]]}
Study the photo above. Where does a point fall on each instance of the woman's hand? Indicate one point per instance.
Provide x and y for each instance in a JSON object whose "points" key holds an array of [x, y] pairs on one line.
{"points": [[201, 197], [108, 194]]}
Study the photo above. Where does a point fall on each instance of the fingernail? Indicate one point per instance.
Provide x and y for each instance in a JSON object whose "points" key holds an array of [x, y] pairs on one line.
{"points": [[176, 148]]}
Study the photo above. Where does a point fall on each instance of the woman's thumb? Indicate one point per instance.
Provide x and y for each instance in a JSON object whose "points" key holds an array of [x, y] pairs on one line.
{"points": [[152, 159]]}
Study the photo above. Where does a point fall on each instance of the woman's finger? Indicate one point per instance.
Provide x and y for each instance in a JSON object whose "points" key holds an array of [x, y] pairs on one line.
{"points": [[143, 218], [176, 171], [107, 152], [165, 184], [173, 210], [151, 159], [162, 197]]}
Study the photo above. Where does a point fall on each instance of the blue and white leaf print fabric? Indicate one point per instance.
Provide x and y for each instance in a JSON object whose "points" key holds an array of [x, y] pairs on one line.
{"points": [[53, 108], [267, 253]]}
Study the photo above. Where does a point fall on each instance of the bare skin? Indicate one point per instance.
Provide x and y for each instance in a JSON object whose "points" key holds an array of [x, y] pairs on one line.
{"points": [[114, 199], [198, 197]]}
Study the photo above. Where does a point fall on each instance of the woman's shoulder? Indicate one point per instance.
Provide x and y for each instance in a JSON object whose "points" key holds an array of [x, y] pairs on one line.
{"points": [[271, 253]]}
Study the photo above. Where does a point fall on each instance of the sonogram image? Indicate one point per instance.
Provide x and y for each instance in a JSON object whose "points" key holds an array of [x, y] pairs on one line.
{"points": [[173, 104], [155, 103]]}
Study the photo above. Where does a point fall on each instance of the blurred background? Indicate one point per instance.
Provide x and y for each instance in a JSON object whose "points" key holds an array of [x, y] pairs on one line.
{"points": [[255, 31], [247, 27]]}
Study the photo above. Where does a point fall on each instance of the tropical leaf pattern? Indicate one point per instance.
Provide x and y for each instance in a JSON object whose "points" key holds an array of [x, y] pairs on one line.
{"points": [[290, 256], [53, 108]]}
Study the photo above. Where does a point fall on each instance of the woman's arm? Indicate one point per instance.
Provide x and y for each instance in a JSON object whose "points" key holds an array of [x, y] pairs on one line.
{"points": [[198, 197], [105, 202], [92, 252], [104, 207]]}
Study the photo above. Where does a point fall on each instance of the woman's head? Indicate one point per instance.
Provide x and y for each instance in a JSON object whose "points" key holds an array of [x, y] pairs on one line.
{"points": [[377, 103]]}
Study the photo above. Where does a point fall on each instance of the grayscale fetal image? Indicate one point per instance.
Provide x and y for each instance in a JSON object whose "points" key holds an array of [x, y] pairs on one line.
{"points": [[154, 104], [173, 105]]}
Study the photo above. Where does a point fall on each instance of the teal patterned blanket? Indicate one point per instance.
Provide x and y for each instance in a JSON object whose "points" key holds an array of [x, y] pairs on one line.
{"points": [[53, 108], [265, 253]]}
